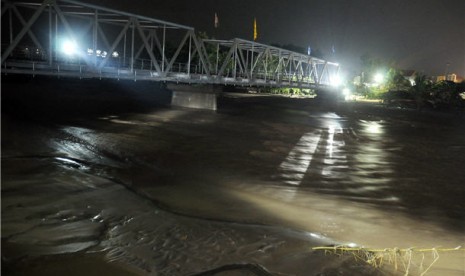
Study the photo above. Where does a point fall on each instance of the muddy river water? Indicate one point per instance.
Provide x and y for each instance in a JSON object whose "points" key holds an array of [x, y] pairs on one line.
{"points": [[247, 190]]}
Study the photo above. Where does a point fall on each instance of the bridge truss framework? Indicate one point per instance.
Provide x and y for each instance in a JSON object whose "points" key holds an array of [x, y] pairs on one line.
{"points": [[107, 43]]}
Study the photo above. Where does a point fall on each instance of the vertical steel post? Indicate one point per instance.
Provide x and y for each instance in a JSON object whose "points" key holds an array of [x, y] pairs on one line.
{"points": [[151, 47], [10, 14], [251, 62], [124, 50], [266, 64], [217, 57], [95, 37], [132, 45], [235, 61], [198, 66], [189, 58], [247, 61], [278, 68], [50, 36], [163, 50], [56, 37]]}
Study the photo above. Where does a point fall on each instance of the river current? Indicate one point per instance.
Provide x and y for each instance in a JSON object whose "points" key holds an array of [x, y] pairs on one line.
{"points": [[251, 188]]}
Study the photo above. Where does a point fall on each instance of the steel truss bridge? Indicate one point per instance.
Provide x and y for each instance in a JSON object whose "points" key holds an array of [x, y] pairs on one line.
{"points": [[69, 38]]}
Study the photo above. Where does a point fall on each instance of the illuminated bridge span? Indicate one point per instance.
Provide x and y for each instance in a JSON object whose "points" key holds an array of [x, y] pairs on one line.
{"points": [[74, 39]]}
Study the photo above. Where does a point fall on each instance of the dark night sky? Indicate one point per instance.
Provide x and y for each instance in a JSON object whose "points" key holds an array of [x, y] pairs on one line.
{"points": [[415, 34]]}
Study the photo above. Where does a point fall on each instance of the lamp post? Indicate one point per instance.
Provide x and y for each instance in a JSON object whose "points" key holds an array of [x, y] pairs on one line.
{"points": [[447, 70]]}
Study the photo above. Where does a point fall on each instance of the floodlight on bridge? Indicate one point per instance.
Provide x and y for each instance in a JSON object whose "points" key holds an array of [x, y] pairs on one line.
{"points": [[335, 81], [69, 47]]}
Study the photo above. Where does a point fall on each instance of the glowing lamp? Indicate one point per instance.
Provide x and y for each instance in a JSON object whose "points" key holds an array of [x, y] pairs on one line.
{"points": [[335, 81], [69, 47], [379, 78]]}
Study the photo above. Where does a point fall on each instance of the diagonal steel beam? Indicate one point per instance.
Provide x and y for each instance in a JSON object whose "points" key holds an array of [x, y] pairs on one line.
{"points": [[205, 54], [257, 60], [323, 72], [198, 47], [115, 43], [147, 47], [227, 59], [24, 30], [160, 48], [267, 54], [104, 37], [238, 60], [259, 57], [5, 9], [141, 48], [241, 57], [315, 73], [175, 56]]}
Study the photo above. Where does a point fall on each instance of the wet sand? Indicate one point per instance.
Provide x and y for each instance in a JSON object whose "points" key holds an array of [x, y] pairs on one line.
{"points": [[172, 191]]}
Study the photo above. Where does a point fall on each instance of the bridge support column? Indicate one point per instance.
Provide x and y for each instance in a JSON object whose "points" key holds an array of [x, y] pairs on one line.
{"points": [[194, 96]]}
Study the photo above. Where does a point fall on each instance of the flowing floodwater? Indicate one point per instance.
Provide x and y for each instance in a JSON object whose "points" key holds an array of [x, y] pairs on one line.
{"points": [[250, 188]]}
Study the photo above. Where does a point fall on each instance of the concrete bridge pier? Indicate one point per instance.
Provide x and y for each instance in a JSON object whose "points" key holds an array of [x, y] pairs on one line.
{"points": [[200, 96]]}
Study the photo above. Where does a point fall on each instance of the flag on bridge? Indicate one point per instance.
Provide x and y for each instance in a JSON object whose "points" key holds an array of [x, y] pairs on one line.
{"points": [[255, 33], [309, 50], [217, 22]]}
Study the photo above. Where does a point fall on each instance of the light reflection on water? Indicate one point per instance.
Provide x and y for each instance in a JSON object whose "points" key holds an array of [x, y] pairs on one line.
{"points": [[296, 164], [320, 160], [326, 170]]}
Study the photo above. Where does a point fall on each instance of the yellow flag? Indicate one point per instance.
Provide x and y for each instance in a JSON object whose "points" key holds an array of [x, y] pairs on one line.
{"points": [[255, 33]]}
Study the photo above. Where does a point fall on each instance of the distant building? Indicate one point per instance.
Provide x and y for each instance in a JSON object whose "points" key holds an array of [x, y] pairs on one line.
{"points": [[439, 78], [449, 77]]}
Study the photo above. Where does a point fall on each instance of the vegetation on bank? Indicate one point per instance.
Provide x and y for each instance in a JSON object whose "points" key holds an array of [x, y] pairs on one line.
{"points": [[438, 95], [398, 88], [292, 91]]}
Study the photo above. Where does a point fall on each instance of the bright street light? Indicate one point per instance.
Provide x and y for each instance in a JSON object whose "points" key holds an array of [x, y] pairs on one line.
{"points": [[69, 47], [335, 81], [379, 78]]}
